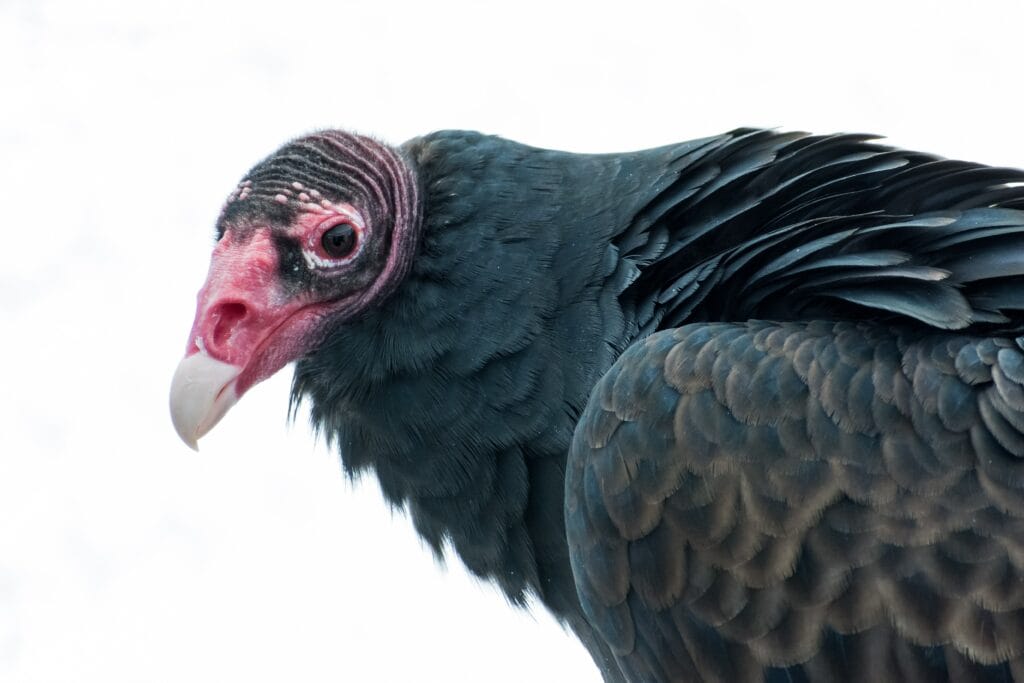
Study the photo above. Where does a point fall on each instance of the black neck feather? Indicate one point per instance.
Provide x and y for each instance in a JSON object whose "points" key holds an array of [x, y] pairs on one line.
{"points": [[462, 390]]}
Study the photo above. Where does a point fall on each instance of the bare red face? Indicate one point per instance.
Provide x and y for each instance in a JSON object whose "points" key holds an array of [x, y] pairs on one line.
{"points": [[291, 258]]}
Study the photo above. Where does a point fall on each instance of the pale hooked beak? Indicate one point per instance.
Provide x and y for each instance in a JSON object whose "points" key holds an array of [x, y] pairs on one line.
{"points": [[202, 391]]}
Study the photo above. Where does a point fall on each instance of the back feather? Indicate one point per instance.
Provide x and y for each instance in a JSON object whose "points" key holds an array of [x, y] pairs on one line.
{"points": [[789, 226]]}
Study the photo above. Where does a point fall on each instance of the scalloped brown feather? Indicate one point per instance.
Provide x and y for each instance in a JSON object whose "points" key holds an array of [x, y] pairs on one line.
{"points": [[780, 487]]}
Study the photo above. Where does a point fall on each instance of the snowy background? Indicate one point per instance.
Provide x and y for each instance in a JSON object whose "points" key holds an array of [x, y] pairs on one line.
{"points": [[123, 124]]}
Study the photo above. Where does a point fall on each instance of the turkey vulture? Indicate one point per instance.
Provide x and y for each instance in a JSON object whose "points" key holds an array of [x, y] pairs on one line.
{"points": [[744, 408]]}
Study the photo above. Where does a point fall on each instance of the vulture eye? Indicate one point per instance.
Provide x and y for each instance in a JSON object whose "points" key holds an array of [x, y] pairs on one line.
{"points": [[340, 241]]}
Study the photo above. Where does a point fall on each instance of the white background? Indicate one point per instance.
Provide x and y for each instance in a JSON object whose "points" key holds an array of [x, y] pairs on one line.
{"points": [[123, 124]]}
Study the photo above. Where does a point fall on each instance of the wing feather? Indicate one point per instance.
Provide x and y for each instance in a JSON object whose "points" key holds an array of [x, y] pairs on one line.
{"points": [[818, 500]]}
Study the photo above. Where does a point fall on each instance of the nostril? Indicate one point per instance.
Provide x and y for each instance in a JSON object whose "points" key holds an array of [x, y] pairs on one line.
{"points": [[225, 318]]}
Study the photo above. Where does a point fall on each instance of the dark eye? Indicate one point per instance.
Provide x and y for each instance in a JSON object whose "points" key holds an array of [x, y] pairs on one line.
{"points": [[340, 241]]}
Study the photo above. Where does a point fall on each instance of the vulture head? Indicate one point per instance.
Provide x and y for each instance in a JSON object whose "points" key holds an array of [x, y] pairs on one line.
{"points": [[312, 237]]}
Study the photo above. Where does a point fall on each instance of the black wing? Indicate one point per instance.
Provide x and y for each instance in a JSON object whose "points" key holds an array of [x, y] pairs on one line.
{"points": [[789, 226], [806, 501]]}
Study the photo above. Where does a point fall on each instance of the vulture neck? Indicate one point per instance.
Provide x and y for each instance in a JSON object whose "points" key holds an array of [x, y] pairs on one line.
{"points": [[462, 390]]}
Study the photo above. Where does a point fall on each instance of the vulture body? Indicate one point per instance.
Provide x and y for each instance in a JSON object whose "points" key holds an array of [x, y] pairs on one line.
{"points": [[745, 408]]}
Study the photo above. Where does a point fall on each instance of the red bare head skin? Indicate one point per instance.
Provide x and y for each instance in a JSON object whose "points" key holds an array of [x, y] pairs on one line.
{"points": [[318, 232], [245, 316]]}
